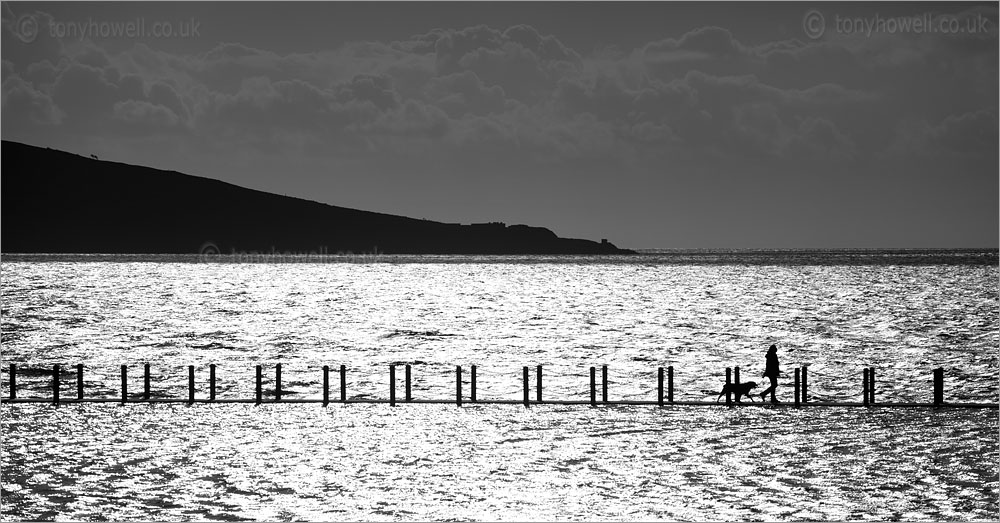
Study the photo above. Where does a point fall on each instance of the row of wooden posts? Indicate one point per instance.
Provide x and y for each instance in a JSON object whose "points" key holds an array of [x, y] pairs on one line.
{"points": [[801, 388]]}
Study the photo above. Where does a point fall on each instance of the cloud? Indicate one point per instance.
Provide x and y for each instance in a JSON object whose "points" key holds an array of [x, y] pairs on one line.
{"points": [[700, 44], [145, 114], [517, 89], [25, 106], [819, 139], [85, 94], [964, 134], [464, 93]]}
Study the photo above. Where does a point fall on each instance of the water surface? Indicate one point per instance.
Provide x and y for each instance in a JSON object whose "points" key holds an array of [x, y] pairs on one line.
{"points": [[904, 313]]}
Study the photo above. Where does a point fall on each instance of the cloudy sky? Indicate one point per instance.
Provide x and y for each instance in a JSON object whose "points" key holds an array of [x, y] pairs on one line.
{"points": [[652, 124]]}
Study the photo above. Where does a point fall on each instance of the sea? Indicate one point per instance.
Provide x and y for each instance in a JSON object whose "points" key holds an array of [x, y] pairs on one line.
{"points": [[902, 312]]}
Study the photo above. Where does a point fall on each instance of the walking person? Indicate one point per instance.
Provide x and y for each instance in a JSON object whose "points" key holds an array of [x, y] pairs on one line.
{"points": [[771, 372]]}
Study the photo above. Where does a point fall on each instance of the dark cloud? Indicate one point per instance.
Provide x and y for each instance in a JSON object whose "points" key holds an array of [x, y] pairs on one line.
{"points": [[25, 106]]}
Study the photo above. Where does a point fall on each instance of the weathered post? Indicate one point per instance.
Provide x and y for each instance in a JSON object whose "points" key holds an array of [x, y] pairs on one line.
{"points": [[659, 386], [604, 383], [796, 387], [145, 382], [805, 384], [729, 388], [409, 397], [124, 384], [392, 385], [472, 385], [343, 383], [458, 385], [211, 382], [79, 381], [277, 382], [864, 387], [13, 381], [871, 384], [593, 387], [260, 379], [525, 376], [670, 384], [190, 384], [938, 386], [538, 385], [326, 385], [55, 384]]}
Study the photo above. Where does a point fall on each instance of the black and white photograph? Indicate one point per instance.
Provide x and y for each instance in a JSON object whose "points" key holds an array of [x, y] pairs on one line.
{"points": [[499, 261]]}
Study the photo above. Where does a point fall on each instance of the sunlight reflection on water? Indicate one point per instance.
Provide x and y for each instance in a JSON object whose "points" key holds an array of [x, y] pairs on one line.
{"points": [[499, 462]]}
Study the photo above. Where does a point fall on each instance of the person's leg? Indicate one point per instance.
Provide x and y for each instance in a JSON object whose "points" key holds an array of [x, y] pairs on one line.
{"points": [[773, 387], [763, 395]]}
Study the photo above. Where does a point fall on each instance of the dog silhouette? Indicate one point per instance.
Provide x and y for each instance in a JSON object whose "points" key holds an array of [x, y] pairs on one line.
{"points": [[738, 389]]}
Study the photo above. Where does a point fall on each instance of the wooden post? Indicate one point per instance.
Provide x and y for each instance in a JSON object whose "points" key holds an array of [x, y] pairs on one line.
{"points": [[525, 386], [124, 384], [796, 387], [277, 382], [408, 396], [604, 383], [805, 384], [13, 381], [659, 386], [145, 382], [472, 385], [458, 385], [729, 380], [938, 386], [326, 385], [55, 384], [670, 384], [864, 387], [343, 383], [260, 379], [392, 385], [190, 384], [211, 382], [79, 381], [871, 384], [593, 387], [538, 385]]}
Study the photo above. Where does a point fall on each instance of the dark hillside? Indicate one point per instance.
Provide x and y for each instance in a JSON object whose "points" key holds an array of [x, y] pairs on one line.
{"points": [[57, 202]]}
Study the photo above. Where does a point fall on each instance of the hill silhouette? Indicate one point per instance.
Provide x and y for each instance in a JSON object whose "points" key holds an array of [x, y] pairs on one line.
{"points": [[58, 202]]}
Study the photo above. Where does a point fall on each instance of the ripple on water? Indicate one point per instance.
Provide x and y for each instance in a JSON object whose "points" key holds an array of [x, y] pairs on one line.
{"points": [[499, 462]]}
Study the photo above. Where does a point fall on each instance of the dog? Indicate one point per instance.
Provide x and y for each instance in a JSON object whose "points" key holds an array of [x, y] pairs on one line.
{"points": [[739, 389]]}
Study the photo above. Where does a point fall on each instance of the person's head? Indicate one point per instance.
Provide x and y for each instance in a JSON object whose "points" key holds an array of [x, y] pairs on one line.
{"points": [[773, 348]]}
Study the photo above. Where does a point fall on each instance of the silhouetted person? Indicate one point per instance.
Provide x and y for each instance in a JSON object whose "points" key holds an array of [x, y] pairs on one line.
{"points": [[771, 372]]}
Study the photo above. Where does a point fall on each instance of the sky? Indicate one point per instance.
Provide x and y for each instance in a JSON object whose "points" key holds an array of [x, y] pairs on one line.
{"points": [[654, 125]]}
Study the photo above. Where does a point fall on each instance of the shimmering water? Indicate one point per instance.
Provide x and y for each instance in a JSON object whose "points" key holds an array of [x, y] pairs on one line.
{"points": [[700, 315]]}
